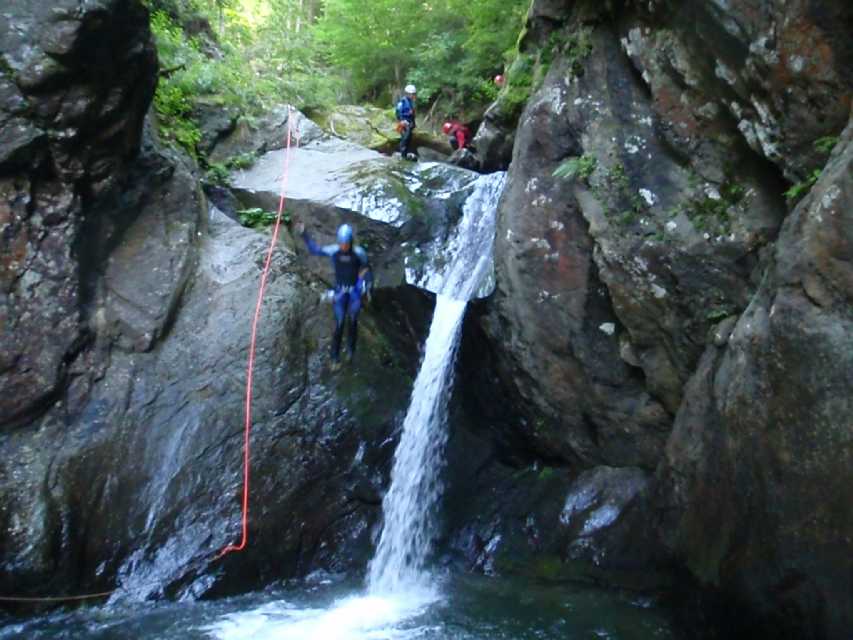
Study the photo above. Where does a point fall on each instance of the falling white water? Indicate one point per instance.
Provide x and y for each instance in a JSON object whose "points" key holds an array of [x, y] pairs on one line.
{"points": [[415, 490], [463, 269], [400, 589], [354, 618]]}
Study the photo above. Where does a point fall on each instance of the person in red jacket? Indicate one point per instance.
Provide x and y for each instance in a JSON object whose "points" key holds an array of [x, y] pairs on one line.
{"points": [[458, 134]]}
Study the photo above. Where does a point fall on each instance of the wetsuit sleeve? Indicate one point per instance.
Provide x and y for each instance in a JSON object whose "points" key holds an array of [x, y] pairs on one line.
{"points": [[316, 250]]}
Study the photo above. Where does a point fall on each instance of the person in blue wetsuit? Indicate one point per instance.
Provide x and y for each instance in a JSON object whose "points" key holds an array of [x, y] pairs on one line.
{"points": [[353, 280], [405, 111]]}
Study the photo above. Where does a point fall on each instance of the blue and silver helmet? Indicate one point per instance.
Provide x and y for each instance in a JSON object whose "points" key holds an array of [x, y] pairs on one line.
{"points": [[344, 234]]}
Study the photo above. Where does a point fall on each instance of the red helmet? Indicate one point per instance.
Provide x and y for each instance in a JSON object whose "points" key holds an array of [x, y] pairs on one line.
{"points": [[446, 127], [499, 80]]}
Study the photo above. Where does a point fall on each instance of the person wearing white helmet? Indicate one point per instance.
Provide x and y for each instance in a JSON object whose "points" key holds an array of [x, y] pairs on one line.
{"points": [[406, 120]]}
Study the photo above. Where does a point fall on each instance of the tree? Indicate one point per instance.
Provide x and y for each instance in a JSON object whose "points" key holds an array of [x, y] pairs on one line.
{"points": [[451, 46]]}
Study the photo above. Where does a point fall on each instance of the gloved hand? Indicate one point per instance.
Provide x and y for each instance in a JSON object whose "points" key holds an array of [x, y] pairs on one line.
{"points": [[299, 228]]}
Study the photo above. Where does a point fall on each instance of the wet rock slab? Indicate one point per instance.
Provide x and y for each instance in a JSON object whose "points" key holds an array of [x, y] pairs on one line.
{"points": [[396, 207]]}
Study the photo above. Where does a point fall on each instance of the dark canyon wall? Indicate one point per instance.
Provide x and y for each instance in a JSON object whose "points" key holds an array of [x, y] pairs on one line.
{"points": [[660, 381], [125, 327], [664, 309]]}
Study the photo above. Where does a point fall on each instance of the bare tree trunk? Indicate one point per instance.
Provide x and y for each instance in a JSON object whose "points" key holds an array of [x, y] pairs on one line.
{"points": [[313, 11], [432, 110]]}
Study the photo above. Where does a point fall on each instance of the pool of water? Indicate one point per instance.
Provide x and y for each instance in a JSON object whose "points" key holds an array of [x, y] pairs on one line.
{"points": [[461, 608]]}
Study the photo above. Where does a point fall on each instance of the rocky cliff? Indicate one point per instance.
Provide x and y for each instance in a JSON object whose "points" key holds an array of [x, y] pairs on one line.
{"points": [[659, 383], [125, 329], [662, 308]]}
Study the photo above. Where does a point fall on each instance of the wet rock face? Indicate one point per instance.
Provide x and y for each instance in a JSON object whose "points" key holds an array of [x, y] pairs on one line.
{"points": [[104, 52], [125, 331], [665, 280], [75, 83], [781, 71], [758, 468], [611, 280], [548, 522], [150, 457], [401, 211], [226, 137], [554, 315], [493, 143]]}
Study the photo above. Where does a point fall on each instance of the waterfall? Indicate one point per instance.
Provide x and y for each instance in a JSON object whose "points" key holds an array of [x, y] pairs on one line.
{"points": [[409, 504]]}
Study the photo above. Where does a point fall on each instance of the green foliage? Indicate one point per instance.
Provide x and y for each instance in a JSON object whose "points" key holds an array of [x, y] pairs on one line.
{"points": [[174, 107], [823, 145], [718, 313], [448, 48], [577, 48], [262, 57], [5, 68], [547, 473], [219, 172], [257, 218], [826, 144], [241, 161], [247, 55], [800, 189], [519, 86], [527, 70], [621, 203], [372, 40], [714, 214], [580, 168]]}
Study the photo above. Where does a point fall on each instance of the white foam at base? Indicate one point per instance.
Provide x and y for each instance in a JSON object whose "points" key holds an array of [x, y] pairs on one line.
{"points": [[355, 618]]}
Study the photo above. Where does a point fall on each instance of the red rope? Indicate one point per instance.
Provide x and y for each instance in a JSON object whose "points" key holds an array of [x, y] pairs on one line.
{"points": [[89, 596], [251, 367]]}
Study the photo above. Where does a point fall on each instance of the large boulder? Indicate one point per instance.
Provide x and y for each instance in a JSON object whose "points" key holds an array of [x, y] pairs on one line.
{"points": [[68, 136], [146, 449], [620, 280], [560, 354], [492, 143], [757, 476], [366, 126], [549, 522], [401, 210], [228, 136], [125, 333], [780, 71], [376, 129]]}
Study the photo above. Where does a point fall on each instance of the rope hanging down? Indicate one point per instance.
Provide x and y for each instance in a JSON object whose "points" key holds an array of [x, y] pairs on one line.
{"points": [[88, 596], [251, 366]]}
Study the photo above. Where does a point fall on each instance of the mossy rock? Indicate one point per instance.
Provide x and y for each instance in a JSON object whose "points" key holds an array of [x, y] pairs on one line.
{"points": [[367, 126]]}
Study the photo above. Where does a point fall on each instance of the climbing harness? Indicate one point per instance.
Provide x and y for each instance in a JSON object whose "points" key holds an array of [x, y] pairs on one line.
{"points": [[251, 365]]}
